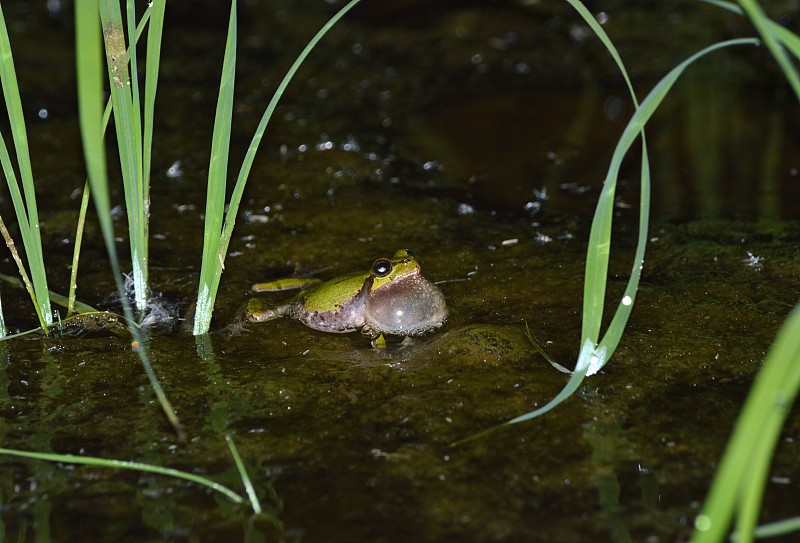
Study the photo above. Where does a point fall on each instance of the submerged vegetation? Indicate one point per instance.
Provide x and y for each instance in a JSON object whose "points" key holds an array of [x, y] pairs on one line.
{"points": [[101, 30]]}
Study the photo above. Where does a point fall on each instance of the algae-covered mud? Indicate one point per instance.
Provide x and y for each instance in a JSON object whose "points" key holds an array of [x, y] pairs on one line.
{"points": [[477, 136]]}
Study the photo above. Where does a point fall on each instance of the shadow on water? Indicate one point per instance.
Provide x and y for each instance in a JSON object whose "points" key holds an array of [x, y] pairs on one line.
{"points": [[476, 135]]}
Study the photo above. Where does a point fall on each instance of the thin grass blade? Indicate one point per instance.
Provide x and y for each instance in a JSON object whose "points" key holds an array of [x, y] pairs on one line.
{"points": [[762, 24], [248, 484], [124, 464], [786, 37], [154, 36], [211, 267], [76, 252]]}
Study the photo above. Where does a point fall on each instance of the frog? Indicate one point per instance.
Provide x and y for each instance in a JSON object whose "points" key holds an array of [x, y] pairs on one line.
{"points": [[391, 298]]}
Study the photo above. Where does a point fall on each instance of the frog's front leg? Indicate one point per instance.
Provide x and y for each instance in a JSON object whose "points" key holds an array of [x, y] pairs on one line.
{"points": [[376, 338], [258, 310], [379, 342]]}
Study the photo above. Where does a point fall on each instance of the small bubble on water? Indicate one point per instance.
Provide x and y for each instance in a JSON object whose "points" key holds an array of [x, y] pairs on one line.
{"points": [[578, 33], [533, 207], [614, 108], [175, 170], [54, 7], [465, 209]]}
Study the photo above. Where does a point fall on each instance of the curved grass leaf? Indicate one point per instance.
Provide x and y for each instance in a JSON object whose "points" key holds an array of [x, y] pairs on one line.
{"points": [[768, 34], [123, 464], [595, 354], [775, 36]]}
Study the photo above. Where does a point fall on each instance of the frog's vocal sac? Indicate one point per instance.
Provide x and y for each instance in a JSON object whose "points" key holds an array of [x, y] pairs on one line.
{"points": [[391, 298]]}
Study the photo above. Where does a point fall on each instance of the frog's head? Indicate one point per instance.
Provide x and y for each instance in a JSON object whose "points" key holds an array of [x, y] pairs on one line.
{"points": [[401, 301], [387, 270]]}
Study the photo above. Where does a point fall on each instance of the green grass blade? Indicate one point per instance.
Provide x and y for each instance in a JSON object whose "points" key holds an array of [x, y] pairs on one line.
{"points": [[73, 276], [209, 282], [742, 469], [73, 285], [3, 328], [123, 464], [762, 24], [217, 181], [248, 484], [26, 210], [591, 358], [154, 35], [247, 163], [600, 236], [770, 29], [773, 529], [629, 136], [90, 99], [127, 124]]}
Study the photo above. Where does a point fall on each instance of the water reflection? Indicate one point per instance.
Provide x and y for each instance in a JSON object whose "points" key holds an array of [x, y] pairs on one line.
{"points": [[719, 150]]}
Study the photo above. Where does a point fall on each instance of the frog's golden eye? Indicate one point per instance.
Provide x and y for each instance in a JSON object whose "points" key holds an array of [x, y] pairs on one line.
{"points": [[381, 268]]}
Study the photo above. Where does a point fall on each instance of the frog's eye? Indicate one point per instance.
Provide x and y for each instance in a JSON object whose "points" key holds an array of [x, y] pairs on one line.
{"points": [[381, 268]]}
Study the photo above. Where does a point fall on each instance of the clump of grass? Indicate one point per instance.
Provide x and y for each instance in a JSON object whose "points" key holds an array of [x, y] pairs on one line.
{"points": [[216, 236], [134, 130], [90, 68], [24, 200]]}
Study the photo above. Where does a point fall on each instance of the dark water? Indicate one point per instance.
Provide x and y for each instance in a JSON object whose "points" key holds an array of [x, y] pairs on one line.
{"points": [[476, 134]]}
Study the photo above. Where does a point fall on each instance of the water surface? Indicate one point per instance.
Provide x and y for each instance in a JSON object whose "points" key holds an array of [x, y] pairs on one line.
{"points": [[476, 135]]}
